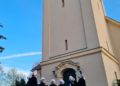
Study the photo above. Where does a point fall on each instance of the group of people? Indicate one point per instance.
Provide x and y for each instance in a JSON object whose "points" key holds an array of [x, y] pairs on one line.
{"points": [[33, 82]]}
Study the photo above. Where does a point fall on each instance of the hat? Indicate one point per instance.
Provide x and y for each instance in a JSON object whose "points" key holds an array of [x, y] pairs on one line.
{"points": [[61, 81], [71, 78], [53, 81], [43, 78]]}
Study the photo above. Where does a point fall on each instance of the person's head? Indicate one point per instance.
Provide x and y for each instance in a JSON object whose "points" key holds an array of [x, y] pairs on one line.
{"points": [[33, 75], [71, 78], [53, 81], [61, 81], [42, 79]]}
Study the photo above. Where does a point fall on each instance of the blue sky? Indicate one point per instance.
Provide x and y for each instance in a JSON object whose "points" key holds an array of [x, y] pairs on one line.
{"points": [[22, 20], [112, 8]]}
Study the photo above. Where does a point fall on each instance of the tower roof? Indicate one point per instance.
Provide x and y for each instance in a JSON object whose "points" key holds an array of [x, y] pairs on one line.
{"points": [[112, 20]]}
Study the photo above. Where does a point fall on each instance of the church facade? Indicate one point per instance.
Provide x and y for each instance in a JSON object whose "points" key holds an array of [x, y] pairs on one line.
{"points": [[79, 37]]}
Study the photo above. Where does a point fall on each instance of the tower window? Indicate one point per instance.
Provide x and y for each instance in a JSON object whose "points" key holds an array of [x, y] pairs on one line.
{"points": [[63, 3], [66, 45]]}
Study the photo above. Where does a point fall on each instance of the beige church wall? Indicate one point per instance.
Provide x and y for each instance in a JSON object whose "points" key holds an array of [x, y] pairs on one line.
{"points": [[74, 23], [62, 23], [67, 25], [82, 23], [47, 72], [46, 28], [91, 66], [89, 24], [114, 31], [93, 70], [101, 26], [110, 68]]}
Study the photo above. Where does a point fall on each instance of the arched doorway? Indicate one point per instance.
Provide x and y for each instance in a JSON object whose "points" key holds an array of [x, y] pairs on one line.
{"points": [[66, 73]]}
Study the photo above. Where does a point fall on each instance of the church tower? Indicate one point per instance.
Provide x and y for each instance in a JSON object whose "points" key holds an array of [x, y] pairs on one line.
{"points": [[76, 39]]}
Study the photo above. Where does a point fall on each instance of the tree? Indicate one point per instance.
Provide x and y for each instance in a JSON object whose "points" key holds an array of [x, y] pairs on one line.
{"points": [[17, 83], [2, 75], [20, 83], [13, 76], [1, 25], [2, 37], [23, 83]]}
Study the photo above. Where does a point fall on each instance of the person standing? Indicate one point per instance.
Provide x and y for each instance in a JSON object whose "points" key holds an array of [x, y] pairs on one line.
{"points": [[42, 82], [72, 81], [33, 81], [61, 82], [81, 81], [28, 82], [53, 82]]}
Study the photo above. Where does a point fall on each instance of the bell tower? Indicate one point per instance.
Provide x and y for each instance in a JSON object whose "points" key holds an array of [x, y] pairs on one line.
{"points": [[76, 38], [65, 27]]}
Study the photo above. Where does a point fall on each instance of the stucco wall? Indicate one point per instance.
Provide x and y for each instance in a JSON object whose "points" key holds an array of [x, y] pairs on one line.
{"points": [[114, 31], [82, 23], [101, 26], [74, 22], [110, 68], [91, 66]]}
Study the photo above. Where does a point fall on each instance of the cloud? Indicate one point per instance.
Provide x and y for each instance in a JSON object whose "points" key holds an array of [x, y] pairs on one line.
{"points": [[25, 72], [20, 55]]}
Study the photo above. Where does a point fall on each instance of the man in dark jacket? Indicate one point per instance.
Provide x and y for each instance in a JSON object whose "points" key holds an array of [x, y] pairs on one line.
{"points": [[32, 81], [28, 83], [81, 81]]}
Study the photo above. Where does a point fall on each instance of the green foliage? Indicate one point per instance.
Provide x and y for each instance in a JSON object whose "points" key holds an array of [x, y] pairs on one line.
{"points": [[20, 83], [17, 83], [23, 83], [14, 75], [2, 37]]}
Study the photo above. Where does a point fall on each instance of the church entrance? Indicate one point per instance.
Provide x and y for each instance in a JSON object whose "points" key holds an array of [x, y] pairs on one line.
{"points": [[66, 73]]}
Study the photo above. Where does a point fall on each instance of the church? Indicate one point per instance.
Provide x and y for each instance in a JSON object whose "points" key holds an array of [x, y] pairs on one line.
{"points": [[79, 37]]}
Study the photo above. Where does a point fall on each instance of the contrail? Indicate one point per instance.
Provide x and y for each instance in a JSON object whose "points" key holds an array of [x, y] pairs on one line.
{"points": [[20, 55]]}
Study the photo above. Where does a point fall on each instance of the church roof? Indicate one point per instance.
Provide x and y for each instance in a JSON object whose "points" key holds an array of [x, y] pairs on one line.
{"points": [[38, 67], [112, 20]]}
